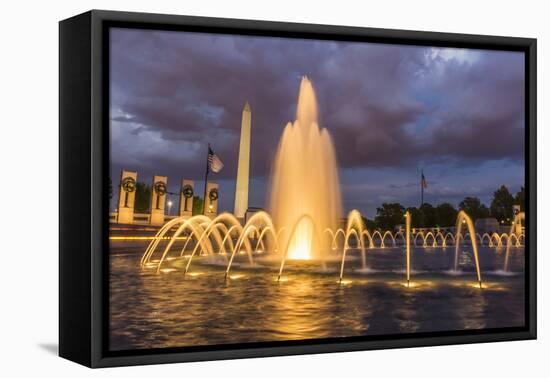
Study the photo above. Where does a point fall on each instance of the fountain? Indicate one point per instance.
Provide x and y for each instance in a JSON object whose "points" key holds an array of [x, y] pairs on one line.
{"points": [[305, 192], [408, 245], [305, 210], [462, 219], [354, 227], [517, 220]]}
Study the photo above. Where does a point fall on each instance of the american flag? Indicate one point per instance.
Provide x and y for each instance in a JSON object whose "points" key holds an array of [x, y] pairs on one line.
{"points": [[214, 163], [424, 183]]}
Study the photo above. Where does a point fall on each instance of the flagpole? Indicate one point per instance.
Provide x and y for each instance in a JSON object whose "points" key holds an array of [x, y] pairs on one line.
{"points": [[422, 188], [205, 181]]}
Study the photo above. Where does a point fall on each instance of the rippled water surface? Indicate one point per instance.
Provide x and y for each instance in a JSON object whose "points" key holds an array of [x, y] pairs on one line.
{"points": [[149, 310]]}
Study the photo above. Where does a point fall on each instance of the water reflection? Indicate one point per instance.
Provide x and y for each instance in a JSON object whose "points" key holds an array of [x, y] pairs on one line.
{"points": [[149, 310]]}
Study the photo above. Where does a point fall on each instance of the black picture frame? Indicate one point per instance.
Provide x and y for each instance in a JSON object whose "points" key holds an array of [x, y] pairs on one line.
{"points": [[84, 161]]}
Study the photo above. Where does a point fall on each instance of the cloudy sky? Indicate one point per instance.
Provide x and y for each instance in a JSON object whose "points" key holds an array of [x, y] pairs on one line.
{"points": [[392, 111]]}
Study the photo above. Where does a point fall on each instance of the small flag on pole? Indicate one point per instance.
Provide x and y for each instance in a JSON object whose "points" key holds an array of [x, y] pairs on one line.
{"points": [[424, 182], [214, 162]]}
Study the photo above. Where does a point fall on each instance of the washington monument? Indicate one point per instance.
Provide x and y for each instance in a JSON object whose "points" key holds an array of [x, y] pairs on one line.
{"points": [[241, 190]]}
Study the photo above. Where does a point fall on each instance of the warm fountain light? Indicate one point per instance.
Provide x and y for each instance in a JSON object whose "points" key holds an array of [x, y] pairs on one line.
{"points": [[305, 193], [464, 219], [517, 221], [302, 242], [408, 245]]}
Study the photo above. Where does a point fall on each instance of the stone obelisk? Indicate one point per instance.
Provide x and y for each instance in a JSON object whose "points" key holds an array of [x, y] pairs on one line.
{"points": [[243, 169]]}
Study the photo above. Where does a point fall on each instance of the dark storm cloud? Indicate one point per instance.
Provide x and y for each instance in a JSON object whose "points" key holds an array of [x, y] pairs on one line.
{"points": [[385, 106]]}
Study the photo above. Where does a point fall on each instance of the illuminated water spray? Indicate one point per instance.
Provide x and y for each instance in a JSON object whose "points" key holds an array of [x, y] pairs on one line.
{"points": [[464, 219], [408, 245], [305, 192], [517, 221]]}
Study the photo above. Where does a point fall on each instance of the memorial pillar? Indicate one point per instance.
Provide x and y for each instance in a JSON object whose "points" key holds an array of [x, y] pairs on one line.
{"points": [[126, 197], [158, 200]]}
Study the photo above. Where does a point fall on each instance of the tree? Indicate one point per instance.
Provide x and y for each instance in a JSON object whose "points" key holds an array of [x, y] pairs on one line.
{"points": [[416, 217], [143, 198], [474, 208], [445, 215], [369, 223], [197, 205], [389, 215], [502, 205], [427, 215], [520, 199]]}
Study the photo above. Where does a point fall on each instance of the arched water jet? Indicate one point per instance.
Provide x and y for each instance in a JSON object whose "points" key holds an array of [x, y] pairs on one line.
{"points": [[346, 247], [228, 237], [195, 230], [429, 235], [330, 236], [420, 235], [354, 227], [487, 237], [203, 238], [478, 237], [253, 224], [379, 236], [262, 234], [355, 222], [462, 219], [451, 238], [392, 238], [497, 239], [367, 234], [145, 259], [315, 234], [334, 243], [441, 238], [517, 220]]}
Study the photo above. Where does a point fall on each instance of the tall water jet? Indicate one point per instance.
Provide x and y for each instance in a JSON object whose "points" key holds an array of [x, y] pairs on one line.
{"points": [[518, 218], [408, 245], [305, 192], [462, 219]]}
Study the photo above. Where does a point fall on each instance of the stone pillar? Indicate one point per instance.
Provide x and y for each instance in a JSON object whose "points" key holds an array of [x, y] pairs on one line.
{"points": [[186, 198], [243, 168], [158, 199], [211, 200], [127, 197]]}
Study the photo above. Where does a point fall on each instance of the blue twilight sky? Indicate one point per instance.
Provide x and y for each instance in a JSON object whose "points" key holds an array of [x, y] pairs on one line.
{"points": [[392, 111]]}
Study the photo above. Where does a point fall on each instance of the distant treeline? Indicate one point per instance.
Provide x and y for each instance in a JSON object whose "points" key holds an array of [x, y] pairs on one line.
{"points": [[389, 215]]}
